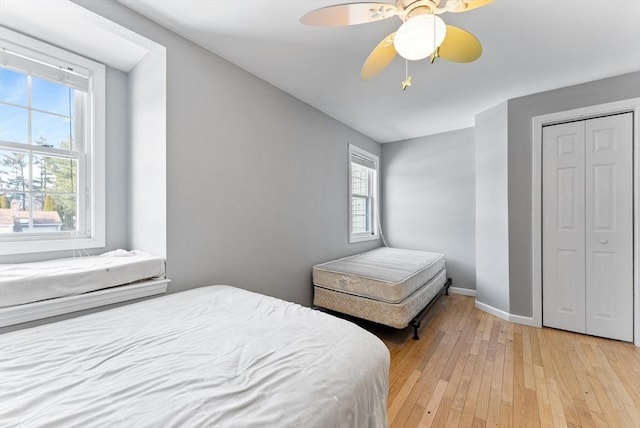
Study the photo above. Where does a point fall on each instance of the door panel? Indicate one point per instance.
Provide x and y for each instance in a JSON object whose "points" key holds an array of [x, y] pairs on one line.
{"points": [[603, 198], [563, 223], [567, 263], [609, 232]]}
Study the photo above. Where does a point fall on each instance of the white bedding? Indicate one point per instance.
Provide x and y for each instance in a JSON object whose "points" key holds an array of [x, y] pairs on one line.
{"points": [[212, 356], [32, 282], [386, 274]]}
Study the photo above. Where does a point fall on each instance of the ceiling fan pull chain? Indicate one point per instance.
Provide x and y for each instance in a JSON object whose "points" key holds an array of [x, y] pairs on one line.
{"points": [[407, 78]]}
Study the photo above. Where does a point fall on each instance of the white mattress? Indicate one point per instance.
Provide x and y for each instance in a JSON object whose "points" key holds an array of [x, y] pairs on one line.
{"points": [[31, 282], [213, 356], [386, 274], [397, 315]]}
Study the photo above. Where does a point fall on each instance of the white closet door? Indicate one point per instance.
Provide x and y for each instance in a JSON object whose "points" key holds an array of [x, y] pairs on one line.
{"points": [[563, 226], [609, 233]]}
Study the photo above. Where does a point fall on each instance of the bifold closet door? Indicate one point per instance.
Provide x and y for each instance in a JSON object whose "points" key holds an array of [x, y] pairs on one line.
{"points": [[609, 221], [563, 227], [588, 226]]}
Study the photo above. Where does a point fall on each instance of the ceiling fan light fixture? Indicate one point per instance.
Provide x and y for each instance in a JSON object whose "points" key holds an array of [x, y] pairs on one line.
{"points": [[420, 36]]}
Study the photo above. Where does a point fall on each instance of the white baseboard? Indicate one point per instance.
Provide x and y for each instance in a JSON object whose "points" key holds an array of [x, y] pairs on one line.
{"points": [[463, 291], [48, 308], [493, 311], [518, 319]]}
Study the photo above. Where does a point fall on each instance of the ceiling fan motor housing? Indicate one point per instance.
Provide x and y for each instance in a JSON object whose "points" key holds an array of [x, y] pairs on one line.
{"points": [[413, 8]]}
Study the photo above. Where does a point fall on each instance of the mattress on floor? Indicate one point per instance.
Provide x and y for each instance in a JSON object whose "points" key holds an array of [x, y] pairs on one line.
{"points": [[386, 274], [397, 315], [32, 282]]}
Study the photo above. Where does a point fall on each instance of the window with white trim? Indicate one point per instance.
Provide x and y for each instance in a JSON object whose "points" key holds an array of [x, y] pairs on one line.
{"points": [[51, 148], [363, 195]]}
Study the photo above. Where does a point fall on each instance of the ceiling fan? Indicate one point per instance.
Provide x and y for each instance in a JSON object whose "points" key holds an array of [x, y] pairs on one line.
{"points": [[422, 33]]}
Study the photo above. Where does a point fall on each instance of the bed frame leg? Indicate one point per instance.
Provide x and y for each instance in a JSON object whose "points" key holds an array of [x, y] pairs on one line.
{"points": [[415, 323], [416, 326]]}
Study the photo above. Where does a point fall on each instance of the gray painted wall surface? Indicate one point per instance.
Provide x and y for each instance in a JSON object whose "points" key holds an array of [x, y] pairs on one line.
{"points": [[492, 216], [521, 112], [256, 179], [117, 173], [429, 199]]}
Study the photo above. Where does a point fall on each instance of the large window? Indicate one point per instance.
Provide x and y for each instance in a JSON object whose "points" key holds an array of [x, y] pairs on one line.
{"points": [[363, 195], [51, 148]]}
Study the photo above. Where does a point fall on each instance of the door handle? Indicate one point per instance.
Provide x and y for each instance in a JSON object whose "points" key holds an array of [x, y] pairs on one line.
{"points": [[603, 241]]}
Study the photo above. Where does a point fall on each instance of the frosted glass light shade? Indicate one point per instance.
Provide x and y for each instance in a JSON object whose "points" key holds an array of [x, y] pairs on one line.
{"points": [[417, 38]]}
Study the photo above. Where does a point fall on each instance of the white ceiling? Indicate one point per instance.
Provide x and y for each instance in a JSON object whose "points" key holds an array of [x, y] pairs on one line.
{"points": [[529, 46]]}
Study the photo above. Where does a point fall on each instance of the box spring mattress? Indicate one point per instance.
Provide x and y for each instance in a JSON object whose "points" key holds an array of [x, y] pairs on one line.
{"points": [[397, 315], [385, 274]]}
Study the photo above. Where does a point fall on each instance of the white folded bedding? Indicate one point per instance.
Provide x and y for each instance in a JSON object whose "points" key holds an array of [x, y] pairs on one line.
{"points": [[209, 357], [31, 282], [385, 274]]}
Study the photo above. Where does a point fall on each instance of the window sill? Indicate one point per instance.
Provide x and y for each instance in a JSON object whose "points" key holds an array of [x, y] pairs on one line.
{"points": [[46, 245], [362, 238], [48, 308]]}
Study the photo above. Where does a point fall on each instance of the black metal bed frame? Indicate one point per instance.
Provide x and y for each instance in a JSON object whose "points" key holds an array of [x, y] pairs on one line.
{"points": [[415, 322]]}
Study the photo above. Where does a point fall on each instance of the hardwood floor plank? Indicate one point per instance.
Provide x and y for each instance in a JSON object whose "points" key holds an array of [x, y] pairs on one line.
{"points": [[411, 356], [519, 395], [617, 403], [527, 356], [536, 356], [482, 406], [506, 416], [631, 384], [470, 369], [453, 380], [542, 393], [471, 401], [507, 380], [400, 398], [414, 418], [495, 396], [433, 405], [465, 382], [558, 411], [531, 418], [586, 418]]}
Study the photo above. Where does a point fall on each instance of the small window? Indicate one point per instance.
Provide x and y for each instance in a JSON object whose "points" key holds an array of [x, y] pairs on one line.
{"points": [[51, 150], [363, 195]]}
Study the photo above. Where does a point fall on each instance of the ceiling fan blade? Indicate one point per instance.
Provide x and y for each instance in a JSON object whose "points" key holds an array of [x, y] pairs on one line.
{"points": [[349, 14], [459, 46], [379, 58], [466, 5]]}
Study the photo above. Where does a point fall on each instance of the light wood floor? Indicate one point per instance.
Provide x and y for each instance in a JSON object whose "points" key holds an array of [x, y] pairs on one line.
{"points": [[471, 369]]}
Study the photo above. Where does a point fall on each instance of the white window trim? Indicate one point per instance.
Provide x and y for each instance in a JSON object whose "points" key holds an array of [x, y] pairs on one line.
{"points": [[367, 236], [94, 140]]}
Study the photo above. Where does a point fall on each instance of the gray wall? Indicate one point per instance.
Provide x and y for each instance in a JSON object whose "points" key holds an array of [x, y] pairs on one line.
{"points": [[492, 217], [521, 112], [429, 204], [256, 179], [116, 140]]}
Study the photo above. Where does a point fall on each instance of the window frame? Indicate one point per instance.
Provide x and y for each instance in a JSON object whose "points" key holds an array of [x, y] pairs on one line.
{"points": [[91, 197], [373, 199]]}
